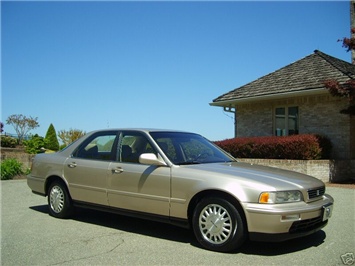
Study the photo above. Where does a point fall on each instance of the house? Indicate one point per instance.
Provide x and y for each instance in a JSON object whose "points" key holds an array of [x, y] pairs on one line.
{"points": [[293, 100]]}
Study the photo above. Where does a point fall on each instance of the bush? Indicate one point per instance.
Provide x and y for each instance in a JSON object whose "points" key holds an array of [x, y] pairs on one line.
{"points": [[295, 147], [35, 144], [10, 168], [8, 142]]}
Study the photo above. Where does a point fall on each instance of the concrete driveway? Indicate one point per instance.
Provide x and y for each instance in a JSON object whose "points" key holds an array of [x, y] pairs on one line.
{"points": [[29, 236]]}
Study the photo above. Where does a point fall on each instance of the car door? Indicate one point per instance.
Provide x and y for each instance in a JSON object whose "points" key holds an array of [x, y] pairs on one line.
{"points": [[134, 186], [88, 168]]}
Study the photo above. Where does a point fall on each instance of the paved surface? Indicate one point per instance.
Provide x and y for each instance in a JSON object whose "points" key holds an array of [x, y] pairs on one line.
{"points": [[29, 236]]}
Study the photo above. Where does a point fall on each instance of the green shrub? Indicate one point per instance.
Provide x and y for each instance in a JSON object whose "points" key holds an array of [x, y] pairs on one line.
{"points": [[295, 147], [10, 168], [35, 144], [8, 142]]}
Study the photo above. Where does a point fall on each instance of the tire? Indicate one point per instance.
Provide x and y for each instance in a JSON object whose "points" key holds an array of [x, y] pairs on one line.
{"points": [[218, 225], [59, 201]]}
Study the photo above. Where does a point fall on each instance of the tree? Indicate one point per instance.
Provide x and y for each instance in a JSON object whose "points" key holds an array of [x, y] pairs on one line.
{"points": [[52, 142], [1, 127], [68, 137], [347, 89], [22, 125]]}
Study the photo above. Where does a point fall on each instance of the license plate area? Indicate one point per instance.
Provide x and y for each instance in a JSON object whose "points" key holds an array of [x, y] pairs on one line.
{"points": [[327, 211]]}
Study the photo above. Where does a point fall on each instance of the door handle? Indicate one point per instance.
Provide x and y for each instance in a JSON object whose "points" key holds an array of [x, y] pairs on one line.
{"points": [[117, 170], [72, 165]]}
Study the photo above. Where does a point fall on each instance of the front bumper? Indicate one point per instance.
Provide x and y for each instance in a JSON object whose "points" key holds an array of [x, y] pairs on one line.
{"points": [[280, 222]]}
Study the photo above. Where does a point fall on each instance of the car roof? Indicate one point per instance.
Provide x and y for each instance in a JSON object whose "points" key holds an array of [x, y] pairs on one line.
{"points": [[147, 130]]}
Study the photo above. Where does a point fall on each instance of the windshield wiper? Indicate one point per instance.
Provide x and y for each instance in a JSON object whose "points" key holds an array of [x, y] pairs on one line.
{"points": [[188, 162], [196, 162]]}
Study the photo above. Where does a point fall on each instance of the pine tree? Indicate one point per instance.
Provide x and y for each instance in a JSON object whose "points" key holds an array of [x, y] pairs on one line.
{"points": [[51, 139]]}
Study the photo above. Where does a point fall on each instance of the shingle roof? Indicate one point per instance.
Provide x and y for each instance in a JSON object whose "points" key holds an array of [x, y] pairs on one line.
{"points": [[305, 74]]}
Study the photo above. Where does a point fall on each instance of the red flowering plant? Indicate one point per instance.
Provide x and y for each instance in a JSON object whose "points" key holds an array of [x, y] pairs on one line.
{"points": [[347, 89], [349, 43]]}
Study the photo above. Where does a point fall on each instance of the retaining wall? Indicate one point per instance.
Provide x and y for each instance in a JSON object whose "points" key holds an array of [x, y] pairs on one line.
{"points": [[18, 154], [335, 171]]}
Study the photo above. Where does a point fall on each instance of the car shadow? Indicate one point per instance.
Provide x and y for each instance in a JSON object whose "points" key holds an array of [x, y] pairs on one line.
{"points": [[286, 247], [177, 234], [128, 224]]}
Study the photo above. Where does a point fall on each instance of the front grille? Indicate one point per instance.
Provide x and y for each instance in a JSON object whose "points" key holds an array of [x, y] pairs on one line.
{"points": [[307, 225], [316, 192]]}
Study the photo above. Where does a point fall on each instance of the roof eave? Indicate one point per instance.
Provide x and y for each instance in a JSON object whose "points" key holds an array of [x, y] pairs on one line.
{"points": [[276, 96]]}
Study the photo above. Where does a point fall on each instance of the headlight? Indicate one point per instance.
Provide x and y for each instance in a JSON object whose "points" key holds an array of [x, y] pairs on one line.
{"points": [[280, 197]]}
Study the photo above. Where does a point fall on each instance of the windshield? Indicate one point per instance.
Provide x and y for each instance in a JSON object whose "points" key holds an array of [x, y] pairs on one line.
{"points": [[188, 148]]}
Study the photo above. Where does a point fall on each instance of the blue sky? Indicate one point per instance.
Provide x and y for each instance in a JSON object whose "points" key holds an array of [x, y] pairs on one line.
{"points": [[93, 65]]}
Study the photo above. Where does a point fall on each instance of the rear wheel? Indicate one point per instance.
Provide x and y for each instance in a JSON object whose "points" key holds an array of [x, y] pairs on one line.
{"points": [[218, 225], [59, 202]]}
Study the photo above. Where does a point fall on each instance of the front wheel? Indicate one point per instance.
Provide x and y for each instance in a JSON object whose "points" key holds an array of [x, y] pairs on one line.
{"points": [[59, 201], [218, 225]]}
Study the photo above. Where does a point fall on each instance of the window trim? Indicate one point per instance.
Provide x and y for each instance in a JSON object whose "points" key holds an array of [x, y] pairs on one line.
{"points": [[90, 139], [122, 135], [286, 108]]}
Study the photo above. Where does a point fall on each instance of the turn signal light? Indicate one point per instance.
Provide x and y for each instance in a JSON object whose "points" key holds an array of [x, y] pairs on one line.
{"points": [[264, 197]]}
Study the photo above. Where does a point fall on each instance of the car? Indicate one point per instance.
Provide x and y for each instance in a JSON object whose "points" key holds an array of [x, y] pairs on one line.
{"points": [[183, 179]]}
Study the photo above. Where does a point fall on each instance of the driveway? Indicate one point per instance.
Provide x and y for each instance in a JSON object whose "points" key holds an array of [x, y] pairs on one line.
{"points": [[29, 236]]}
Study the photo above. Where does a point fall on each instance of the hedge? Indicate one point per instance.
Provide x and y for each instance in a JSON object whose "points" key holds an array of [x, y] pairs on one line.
{"points": [[295, 147]]}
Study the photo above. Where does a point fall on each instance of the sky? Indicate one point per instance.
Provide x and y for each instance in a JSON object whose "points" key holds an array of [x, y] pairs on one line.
{"points": [[94, 65]]}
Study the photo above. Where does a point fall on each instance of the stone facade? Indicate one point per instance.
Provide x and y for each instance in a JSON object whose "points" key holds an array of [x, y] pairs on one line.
{"points": [[318, 114], [253, 120]]}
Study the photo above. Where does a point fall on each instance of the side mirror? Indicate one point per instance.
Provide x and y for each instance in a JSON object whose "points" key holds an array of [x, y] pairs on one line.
{"points": [[150, 159]]}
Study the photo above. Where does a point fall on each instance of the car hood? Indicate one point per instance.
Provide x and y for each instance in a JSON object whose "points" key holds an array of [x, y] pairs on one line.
{"points": [[252, 175]]}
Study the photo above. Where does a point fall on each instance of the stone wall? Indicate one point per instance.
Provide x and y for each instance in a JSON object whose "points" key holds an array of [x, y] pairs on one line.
{"points": [[334, 171], [18, 154]]}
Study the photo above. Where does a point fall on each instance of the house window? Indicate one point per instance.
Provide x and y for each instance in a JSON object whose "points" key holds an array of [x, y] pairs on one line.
{"points": [[286, 121]]}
